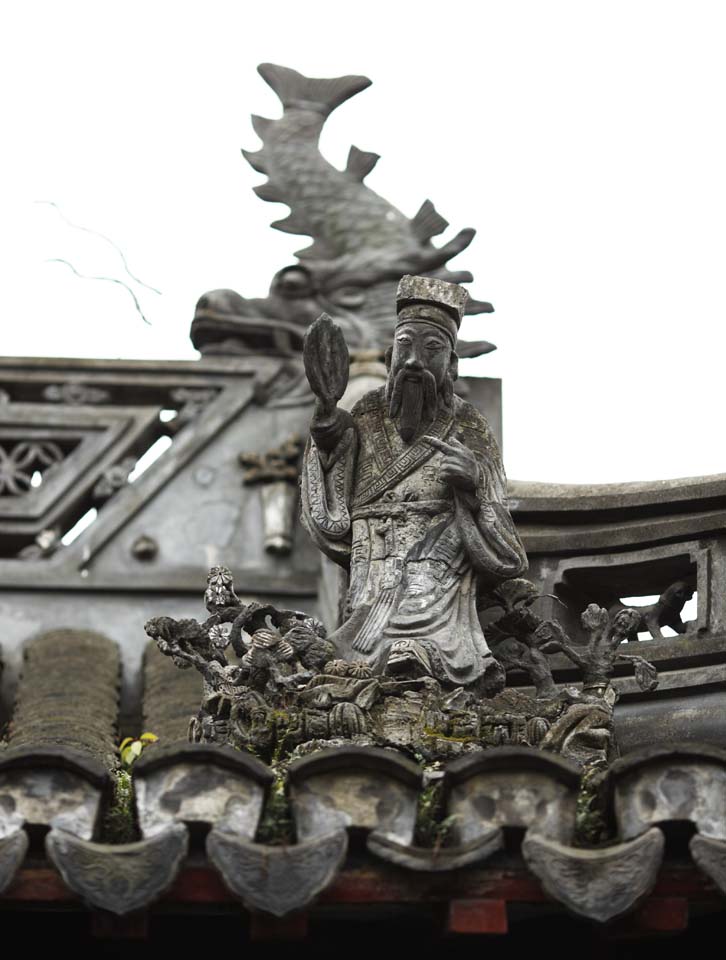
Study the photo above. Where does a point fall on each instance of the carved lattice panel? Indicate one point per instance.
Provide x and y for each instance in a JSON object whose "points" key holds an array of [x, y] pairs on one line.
{"points": [[25, 464]]}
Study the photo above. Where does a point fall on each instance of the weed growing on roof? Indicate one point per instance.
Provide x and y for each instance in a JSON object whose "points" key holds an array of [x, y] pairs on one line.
{"points": [[119, 824]]}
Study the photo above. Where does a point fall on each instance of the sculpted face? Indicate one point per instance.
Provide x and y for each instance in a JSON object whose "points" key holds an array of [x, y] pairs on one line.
{"points": [[418, 347], [421, 373]]}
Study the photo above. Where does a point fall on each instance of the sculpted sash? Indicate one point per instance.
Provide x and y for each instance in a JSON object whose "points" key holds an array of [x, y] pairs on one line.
{"points": [[395, 470]]}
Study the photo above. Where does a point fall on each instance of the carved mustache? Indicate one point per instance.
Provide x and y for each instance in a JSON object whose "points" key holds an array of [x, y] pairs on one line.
{"points": [[412, 399]]}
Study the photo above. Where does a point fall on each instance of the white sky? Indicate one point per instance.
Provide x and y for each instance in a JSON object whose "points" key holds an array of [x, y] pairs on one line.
{"points": [[584, 140]]}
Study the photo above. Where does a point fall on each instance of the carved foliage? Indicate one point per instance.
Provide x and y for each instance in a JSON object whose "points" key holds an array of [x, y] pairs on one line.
{"points": [[72, 393], [282, 463], [596, 657]]}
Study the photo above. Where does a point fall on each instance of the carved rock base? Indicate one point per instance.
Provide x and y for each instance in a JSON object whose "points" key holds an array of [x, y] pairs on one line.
{"points": [[416, 717]]}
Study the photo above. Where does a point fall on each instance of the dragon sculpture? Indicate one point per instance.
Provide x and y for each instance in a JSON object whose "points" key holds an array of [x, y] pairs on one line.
{"points": [[362, 245]]}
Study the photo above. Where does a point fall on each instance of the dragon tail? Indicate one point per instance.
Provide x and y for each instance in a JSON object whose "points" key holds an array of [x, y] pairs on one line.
{"points": [[319, 96], [323, 96]]}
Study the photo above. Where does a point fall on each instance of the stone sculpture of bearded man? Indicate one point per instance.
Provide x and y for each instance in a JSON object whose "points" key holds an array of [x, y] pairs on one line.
{"points": [[407, 491]]}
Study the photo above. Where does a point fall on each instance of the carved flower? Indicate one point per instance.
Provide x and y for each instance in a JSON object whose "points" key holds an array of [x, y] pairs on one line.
{"points": [[336, 668], [360, 670], [220, 588], [316, 626], [21, 461], [219, 635]]}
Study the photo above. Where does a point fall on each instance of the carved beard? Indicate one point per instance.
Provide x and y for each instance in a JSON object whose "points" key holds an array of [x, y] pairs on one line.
{"points": [[415, 400]]}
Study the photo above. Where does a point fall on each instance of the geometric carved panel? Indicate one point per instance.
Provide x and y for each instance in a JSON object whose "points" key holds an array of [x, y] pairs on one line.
{"points": [[22, 461], [52, 456], [78, 520]]}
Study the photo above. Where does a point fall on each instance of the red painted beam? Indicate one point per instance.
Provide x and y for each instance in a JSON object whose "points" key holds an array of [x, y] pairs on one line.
{"points": [[477, 916], [375, 884], [199, 885], [666, 915], [38, 885], [381, 885]]}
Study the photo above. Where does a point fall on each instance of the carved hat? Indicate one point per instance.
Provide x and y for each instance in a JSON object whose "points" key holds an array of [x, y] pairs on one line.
{"points": [[446, 303]]}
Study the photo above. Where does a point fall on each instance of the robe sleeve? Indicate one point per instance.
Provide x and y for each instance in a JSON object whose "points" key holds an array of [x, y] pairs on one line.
{"points": [[487, 529], [326, 487]]}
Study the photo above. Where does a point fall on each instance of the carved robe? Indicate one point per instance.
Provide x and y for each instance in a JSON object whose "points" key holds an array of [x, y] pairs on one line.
{"points": [[416, 550]]}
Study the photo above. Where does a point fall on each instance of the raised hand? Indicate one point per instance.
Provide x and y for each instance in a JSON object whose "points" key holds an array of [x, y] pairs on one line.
{"points": [[459, 467]]}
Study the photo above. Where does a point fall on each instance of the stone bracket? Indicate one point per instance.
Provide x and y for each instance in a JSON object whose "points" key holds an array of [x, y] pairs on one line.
{"points": [[710, 856], [13, 848], [123, 877], [599, 884], [436, 860], [276, 880]]}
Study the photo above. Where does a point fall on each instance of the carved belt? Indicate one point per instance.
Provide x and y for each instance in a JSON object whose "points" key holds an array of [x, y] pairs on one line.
{"points": [[401, 510]]}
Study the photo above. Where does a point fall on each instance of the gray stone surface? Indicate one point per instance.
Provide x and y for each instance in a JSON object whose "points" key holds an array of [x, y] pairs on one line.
{"points": [[439, 859], [277, 880], [69, 699], [407, 492], [364, 788], [171, 697], [512, 787], [659, 785], [81, 425], [362, 244], [13, 848], [710, 855], [121, 878], [599, 884], [197, 792], [44, 796]]}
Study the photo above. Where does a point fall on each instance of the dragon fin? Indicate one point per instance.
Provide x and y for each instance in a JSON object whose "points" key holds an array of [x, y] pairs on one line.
{"points": [[460, 242], [455, 276], [478, 306], [428, 222], [260, 125], [322, 96], [318, 250], [289, 224], [256, 160], [467, 349], [360, 163], [473, 306], [268, 191]]}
